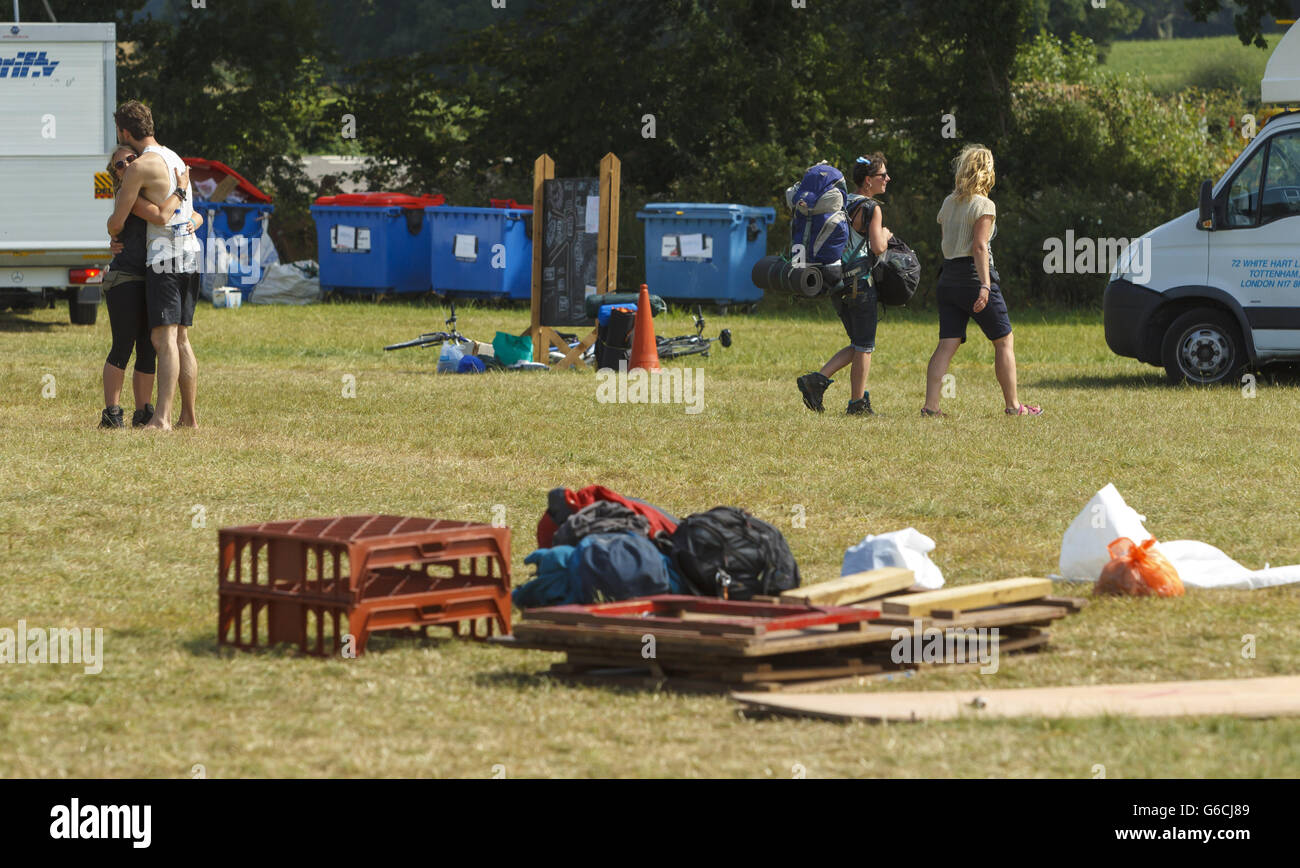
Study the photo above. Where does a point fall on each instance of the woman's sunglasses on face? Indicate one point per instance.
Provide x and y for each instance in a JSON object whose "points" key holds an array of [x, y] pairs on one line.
{"points": [[877, 174], [124, 162]]}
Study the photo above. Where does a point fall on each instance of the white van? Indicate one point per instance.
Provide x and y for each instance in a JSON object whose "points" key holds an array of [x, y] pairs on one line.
{"points": [[1222, 284], [58, 91]]}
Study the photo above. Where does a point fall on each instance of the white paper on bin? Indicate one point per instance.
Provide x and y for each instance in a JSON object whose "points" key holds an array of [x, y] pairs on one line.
{"points": [[466, 247]]}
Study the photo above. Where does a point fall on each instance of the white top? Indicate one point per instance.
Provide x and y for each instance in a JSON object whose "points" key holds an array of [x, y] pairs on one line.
{"points": [[176, 239], [958, 216]]}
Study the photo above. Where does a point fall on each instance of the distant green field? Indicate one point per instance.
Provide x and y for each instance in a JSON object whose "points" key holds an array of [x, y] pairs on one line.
{"points": [[1174, 64]]}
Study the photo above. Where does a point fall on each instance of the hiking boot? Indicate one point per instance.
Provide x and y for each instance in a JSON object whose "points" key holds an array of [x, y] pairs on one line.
{"points": [[111, 417], [813, 386], [140, 418], [861, 407]]}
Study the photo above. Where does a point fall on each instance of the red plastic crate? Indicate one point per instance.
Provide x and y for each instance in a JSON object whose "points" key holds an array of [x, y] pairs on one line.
{"points": [[297, 581]]}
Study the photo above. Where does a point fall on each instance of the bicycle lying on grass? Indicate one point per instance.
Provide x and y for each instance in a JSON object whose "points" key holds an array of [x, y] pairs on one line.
{"points": [[669, 348]]}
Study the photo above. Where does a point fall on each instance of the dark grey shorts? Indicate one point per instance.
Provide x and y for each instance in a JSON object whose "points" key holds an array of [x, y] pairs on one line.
{"points": [[171, 295], [858, 315], [957, 292]]}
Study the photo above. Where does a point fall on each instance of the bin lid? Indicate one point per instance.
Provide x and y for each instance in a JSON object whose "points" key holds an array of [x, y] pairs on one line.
{"points": [[509, 203], [202, 170], [519, 213], [383, 200], [706, 211]]}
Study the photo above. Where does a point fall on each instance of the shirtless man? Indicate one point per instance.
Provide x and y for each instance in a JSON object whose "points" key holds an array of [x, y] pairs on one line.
{"points": [[172, 276]]}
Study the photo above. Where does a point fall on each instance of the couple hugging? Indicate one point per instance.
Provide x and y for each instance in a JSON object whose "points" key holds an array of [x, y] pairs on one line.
{"points": [[152, 285]]}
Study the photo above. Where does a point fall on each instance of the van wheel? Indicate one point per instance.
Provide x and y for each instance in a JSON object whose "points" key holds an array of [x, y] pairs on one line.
{"points": [[1203, 347], [83, 313]]}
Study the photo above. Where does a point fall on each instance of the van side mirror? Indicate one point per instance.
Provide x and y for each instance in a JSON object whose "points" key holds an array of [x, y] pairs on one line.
{"points": [[1206, 220]]}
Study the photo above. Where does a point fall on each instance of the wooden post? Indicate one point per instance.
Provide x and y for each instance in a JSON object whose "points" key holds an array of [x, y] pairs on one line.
{"points": [[611, 172], [543, 170]]}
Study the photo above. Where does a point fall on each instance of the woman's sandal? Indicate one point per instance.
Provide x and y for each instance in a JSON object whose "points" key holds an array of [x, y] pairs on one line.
{"points": [[1024, 410], [931, 414]]}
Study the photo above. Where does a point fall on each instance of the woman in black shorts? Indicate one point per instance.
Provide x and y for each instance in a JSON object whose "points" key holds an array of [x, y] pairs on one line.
{"points": [[124, 298], [968, 285]]}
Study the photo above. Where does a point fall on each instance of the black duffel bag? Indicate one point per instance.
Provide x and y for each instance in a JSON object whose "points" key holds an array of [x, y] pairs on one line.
{"points": [[726, 552]]}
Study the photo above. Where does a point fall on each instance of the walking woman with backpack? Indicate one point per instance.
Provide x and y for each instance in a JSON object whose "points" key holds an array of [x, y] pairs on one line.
{"points": [[855, 303], [968, 285]]}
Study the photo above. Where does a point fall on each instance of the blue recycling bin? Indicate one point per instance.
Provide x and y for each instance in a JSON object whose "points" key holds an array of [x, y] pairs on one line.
{"points": [[239, 227], [481, 252], [373, 243], [704, 252]]}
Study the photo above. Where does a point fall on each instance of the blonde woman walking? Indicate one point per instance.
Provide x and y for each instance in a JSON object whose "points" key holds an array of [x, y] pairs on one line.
{"points": [[968, 285]]}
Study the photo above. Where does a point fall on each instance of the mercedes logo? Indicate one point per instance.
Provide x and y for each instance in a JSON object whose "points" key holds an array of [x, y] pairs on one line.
{"points": [[16, 276]]}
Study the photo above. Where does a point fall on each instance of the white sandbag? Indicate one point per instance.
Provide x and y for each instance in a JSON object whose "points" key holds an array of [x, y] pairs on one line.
{"points": [[294, 283], [907, 548], [1201, 565], [1105, 519]]}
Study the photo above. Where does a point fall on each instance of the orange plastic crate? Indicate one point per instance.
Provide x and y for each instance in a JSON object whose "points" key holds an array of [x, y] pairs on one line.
{"points": [[297, 581]]}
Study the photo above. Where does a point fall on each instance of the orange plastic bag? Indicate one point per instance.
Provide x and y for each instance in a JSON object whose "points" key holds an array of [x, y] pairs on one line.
{"points": [[1138, 571]]}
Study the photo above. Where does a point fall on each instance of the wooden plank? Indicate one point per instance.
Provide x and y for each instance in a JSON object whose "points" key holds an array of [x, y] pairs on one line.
{"points": [[224, 188], [1074, 604], [556, 637], [647, 625], [1004, 617], [611, 175], [543, 170], [968, 596], [738, 672], [897, 620], [852, 588], [1236, 697]]}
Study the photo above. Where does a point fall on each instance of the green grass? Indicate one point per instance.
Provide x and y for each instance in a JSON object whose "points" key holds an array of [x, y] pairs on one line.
{"points": [[96, 530], [1174, 64]]}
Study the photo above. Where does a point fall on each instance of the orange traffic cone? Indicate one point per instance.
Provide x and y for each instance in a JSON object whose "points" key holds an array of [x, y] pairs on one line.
{"points": [[645, 351]]}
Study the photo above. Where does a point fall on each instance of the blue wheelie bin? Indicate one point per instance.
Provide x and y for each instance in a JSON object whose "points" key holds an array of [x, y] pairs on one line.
{"points": [[239, 226], [373, 243], [703, 252], [481, 252]]}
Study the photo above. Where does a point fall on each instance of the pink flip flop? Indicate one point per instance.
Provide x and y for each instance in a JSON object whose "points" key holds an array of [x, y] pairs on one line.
{"points": [[1024, 410]]}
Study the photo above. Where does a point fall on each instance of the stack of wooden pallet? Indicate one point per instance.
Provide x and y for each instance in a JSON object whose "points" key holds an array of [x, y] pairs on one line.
{"points": [[865, 625]]}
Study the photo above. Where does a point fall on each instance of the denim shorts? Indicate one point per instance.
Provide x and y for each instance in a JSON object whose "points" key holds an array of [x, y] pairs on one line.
{"points": [[858, 315], [957, 292]]}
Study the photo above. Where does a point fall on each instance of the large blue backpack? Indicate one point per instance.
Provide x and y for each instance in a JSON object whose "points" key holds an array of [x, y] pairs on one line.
{"points": [[818, 224]]}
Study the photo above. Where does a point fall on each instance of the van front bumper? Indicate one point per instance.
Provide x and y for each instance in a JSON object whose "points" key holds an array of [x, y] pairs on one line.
{"points": [[1126, 312]]}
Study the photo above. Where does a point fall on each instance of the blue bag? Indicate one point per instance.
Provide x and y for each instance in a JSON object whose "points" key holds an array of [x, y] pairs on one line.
{"points": [[818, 224]]}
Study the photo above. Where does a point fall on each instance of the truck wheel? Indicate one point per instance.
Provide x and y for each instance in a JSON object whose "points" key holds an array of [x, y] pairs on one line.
{"points": [[83, 313], [1203, 347]]}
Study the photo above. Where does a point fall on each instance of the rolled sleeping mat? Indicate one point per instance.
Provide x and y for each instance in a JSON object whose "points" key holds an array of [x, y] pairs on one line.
{"points": [[766, 273], [775, 274], [806, 281]]}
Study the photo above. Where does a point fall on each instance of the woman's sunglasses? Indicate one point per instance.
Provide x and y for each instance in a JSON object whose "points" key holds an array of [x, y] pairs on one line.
{"points": [[124, 162]]}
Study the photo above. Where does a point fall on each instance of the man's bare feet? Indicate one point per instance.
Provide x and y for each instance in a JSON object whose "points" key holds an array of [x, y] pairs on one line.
{"points": [[157, 423], [187, 423]]}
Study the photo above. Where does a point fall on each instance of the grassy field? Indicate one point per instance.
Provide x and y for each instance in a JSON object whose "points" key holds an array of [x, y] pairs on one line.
{"points": [[98, 532], [1173, 64]]}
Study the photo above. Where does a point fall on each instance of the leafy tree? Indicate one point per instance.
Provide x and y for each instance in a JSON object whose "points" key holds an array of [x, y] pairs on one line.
{"points": [[1248, 19]]}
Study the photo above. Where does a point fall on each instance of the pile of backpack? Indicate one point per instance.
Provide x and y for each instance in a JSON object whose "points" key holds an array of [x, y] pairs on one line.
{"points": [[595, 545]]}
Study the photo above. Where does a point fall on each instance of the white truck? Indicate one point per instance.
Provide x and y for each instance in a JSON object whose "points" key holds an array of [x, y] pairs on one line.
{"points": [[1217, 290], [58, 91]]}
